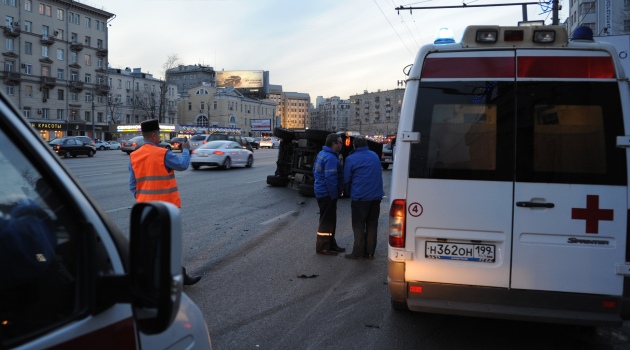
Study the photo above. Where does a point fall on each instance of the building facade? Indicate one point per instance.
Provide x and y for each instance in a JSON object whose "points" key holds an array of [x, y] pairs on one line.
{"points": [[332, 113], [187, 77], [205, 109], [55, 65], [293, 107], [604, 17], [376, 114]]}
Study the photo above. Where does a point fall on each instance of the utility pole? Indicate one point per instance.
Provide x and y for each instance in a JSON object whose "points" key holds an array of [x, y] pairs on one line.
{"points": [[93, 125], [555, 7]]}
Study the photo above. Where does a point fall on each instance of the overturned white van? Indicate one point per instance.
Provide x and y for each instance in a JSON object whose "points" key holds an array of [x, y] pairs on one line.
{"points": [[509, 196]]}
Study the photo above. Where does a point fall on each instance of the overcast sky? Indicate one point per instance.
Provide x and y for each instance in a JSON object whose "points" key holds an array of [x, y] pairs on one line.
{"points": [[320, 47]]}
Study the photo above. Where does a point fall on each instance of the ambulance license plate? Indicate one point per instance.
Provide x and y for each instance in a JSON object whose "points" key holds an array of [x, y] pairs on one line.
{"points": [[460, 251]]}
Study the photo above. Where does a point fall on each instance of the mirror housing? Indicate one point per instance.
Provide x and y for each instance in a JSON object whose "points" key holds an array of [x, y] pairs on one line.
{"points": [[155, 275]]}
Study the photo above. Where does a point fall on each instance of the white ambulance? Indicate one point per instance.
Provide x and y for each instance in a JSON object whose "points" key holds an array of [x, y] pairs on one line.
{"points": [[69, 278], [509, 194]]}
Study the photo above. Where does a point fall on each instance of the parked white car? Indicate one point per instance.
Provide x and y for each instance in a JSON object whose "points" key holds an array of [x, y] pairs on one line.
{"points": [[114, 144], [101, 145], [269, 142]]}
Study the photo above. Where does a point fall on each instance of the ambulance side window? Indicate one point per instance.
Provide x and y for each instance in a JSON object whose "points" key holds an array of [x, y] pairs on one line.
{"points": [[38, 253]]}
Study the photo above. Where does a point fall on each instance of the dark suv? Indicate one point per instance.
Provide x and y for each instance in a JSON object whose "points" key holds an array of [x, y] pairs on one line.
{"points": [[231, 137]]}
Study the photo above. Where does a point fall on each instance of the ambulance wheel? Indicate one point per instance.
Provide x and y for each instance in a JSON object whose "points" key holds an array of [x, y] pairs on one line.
{"points": [[277, 181], [385, 166], [399, 305], [306, 190]]}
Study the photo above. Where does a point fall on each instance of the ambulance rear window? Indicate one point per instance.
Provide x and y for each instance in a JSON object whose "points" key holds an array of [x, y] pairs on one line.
{"points": [[531, 131]]}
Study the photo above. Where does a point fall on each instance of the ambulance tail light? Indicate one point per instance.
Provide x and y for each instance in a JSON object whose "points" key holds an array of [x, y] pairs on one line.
{"points": [[397, 223], [544, 36], [486, 36]]}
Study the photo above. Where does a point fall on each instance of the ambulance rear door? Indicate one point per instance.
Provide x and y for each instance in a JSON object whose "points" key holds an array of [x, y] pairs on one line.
{"points": [[570, 195]]}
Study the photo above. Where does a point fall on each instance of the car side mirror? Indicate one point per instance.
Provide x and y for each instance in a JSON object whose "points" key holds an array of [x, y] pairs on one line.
{"points": [[155, 264]]}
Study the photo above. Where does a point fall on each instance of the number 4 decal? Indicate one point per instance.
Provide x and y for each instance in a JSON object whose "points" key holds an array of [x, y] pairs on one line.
{"points": [[415, 209]]}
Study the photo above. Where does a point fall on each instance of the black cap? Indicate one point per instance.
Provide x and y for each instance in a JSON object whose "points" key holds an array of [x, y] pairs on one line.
{"points": [[150, 125]]}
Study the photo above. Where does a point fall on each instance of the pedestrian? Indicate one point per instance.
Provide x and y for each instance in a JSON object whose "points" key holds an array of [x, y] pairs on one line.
{"points": [[151, 172], [364, 180], [328, 181]]}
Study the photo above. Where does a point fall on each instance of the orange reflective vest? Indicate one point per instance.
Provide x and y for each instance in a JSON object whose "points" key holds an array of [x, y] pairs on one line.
{"points": [[153, 181]]}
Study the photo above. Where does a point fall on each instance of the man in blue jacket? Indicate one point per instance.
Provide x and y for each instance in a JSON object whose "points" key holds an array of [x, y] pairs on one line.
{"points": [[364, 179], [328, 181]]}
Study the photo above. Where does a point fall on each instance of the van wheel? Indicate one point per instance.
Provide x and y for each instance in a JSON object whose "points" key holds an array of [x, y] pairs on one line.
{"points": [[227, 164], [306, 190], [277, 181], [399, 305], [196, 166]]}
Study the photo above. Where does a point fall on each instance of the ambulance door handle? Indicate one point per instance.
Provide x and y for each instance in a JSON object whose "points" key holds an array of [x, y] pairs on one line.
{"points": [[534, 205]]}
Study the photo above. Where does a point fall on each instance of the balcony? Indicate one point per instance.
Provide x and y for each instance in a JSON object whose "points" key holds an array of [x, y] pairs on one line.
{"points": [[101, 52], [12, 77], [48, 82], [47, 40], [76, 47], [76, 86], [102, 89], [12, 32]]}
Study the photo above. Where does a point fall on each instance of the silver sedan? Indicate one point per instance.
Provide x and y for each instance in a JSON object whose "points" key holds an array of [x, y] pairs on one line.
{"points": [[224, 154]]}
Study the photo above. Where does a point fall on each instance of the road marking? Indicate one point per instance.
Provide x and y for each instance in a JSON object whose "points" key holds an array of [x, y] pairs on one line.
{"points": [[278, 217], [118, 209], [251, 182]]}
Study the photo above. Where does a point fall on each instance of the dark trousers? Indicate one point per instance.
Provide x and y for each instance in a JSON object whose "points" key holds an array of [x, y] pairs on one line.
{"points": [[327, 224], [364, 225]]}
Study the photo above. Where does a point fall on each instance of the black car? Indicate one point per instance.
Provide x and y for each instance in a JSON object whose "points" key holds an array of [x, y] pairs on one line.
{"points": [[253, 142], [72, 147]]}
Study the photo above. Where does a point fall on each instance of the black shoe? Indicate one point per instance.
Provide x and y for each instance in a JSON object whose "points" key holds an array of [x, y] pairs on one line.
{"points": [[352, 257], [339, 249], [189, 281], [326, 252]]}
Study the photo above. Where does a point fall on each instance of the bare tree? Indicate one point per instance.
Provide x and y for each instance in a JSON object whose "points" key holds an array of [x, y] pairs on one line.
{"points": [[172, 61]]}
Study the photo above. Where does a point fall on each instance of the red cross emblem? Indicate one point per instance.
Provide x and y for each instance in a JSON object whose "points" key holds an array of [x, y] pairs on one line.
{"points": [[592, 214]]}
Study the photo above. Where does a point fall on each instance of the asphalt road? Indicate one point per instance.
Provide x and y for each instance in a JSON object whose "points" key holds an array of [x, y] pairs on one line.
{"points": [[263, 286]]}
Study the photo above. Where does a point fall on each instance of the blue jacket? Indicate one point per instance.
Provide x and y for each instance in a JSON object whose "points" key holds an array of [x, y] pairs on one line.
{"points": [[328, 173], [363, 175]]}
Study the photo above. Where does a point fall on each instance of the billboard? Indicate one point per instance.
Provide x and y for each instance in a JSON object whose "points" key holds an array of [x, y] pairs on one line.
{"points": [[240, 79], [260, 124]]}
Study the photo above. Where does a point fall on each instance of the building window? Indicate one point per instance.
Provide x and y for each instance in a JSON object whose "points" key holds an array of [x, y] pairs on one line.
{"points": [[9, 44], [28, 90], [60, 14], [60, 55], [74, 97], [88, 60], [45, 71], [28, 5], [60, 74], [60, 94], [99, 43], [626, 25], [61, 114], [28, 26], [586, 8], [28, 68], [41, 9], [59, 34], [74, 57], [88, 22], [88, 41], [27, 112], [87, 116], [99, 62], [45, 113], [88, 77], [44, 51], [74, 75], [10, 90]]}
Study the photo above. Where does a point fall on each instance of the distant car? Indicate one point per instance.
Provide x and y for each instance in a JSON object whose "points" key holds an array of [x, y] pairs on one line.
{"points": [[176, 143], [72, 147], [231, 137], [113, 144], [101, 145], [134, 143], [269, 142], [253, 142], [85, 139], [223, 153], [387, 156], [198, 140]]}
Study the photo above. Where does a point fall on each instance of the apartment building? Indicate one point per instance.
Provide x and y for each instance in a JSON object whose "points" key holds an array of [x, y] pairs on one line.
{"points": [[136, 96], [206, 109], [293, 107], [605, 17], [330, 113], [190, 76], [376, 114], [55, 65]]}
